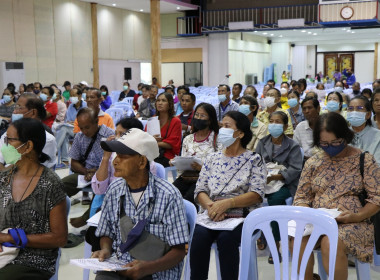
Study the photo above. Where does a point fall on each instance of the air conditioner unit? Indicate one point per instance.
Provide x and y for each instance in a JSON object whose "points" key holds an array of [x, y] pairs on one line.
{"points": [[11, 72]]}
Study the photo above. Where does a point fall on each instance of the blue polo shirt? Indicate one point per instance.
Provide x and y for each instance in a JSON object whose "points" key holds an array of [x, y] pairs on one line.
{"points": [[72, 111]]}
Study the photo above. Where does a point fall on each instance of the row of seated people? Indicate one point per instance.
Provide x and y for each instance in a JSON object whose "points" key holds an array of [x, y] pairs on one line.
{"points": [[232, 181], [164, 111]]}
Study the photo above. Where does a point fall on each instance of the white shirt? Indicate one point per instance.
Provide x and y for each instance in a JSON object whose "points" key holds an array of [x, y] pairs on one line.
{"points": [[303, 135], [50, 149]]}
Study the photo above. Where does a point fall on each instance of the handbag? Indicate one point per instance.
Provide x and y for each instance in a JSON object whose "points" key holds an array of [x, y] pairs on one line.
{"points": [[162, 150], [10, 250], [241, 212], [140, 244]]}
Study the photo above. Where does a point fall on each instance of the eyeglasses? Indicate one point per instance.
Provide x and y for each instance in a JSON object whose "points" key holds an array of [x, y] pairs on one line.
{"points": [[18, 107], [334, 143], [356, 108], [200, 116], [7, 139]]}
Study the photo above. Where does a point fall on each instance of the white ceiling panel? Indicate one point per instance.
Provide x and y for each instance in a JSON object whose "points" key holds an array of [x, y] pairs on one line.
{"points": [[143, 6]]}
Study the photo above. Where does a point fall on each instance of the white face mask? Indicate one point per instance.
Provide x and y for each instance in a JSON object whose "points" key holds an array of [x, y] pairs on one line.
{"points": [[269, 102], [74, 100]]}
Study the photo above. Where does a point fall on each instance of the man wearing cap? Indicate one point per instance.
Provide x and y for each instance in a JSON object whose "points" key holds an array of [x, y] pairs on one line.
{"points": [[141, 204]]}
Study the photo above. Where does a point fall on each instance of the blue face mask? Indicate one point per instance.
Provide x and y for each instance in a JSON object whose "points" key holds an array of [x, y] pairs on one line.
{"points": [[16, 117], [54, 96], [104, 93], [338, 89], [6, 98], [222, 98], [332, 106], [245, 109], [344, 106], [276, 129], [255, 122], [292, 102], [226, 137], [84, 96], [43, 96], [332, 151], [356, 118]]}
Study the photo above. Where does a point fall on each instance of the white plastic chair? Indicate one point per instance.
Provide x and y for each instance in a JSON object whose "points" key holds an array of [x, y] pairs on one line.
{"points": [[128, 100], [115, 113], [261, 218]]}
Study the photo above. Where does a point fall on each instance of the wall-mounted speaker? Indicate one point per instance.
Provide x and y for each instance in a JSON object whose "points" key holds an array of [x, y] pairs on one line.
{"points": [[292, 45], [269, 42], [128, 73]]}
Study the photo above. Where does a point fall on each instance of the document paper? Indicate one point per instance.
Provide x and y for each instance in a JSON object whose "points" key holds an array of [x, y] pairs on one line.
{"points": [[110, 264]]}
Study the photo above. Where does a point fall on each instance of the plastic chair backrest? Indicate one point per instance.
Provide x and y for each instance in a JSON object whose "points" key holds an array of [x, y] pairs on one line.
{"points": [[115, 113], [115, 96], [260, 219], [191, 216], [128, 100], [160, 170]]}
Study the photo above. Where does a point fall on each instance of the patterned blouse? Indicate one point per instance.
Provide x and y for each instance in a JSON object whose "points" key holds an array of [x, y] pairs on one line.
{"points": [[32, 215], [199, 149], [336, 183], [248, 173]]}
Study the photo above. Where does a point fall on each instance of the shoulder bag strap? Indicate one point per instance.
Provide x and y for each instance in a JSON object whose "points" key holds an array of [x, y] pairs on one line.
{"points": [[89, 148]]}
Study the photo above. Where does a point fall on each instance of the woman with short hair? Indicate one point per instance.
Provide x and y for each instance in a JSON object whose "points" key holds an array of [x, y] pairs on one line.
{"points": [[334, 179]]}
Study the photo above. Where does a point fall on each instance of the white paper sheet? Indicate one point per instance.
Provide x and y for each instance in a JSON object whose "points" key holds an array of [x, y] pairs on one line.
{"points": [[309, 227], [153, 126], [184, 163], [82, 182], [94, 220], [110, 264], [227, 224]]}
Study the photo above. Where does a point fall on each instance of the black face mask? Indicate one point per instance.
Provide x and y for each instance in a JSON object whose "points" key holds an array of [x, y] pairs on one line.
{"points": [[356, 92], [200, 124]]}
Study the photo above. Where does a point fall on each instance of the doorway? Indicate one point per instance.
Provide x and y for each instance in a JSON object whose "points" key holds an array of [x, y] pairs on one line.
{"points": [[337, 62]]}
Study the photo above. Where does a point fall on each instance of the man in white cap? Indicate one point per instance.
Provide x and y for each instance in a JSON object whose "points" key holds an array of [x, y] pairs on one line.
{"points": [[140, 204]]}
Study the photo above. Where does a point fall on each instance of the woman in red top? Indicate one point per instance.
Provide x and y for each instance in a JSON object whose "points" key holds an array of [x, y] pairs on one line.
{"points": [[170, 140]]}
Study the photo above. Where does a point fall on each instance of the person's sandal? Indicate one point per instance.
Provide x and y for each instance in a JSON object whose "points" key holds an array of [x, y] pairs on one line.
{"points": [[270, 259], [261, 243]]}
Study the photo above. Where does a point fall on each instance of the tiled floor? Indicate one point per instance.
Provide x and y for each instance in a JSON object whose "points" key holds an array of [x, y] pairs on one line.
{"points": [[67, 271]]}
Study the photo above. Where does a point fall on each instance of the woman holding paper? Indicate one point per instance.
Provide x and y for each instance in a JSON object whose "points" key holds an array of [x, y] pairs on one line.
{"points": [[284, 163], [32, 204], [169, 142], [231, 183], [199, 144], [336, 179]]}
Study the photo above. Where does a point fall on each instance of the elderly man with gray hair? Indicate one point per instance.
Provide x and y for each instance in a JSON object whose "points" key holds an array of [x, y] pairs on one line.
{"points": [[143, 221]]}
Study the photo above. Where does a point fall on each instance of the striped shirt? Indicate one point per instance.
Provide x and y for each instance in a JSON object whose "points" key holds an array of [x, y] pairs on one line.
{"points": [[81, 143], [167, 220]]}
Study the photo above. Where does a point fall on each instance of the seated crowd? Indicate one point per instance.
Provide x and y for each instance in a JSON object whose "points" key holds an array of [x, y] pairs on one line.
{"points": [[283, 144]]}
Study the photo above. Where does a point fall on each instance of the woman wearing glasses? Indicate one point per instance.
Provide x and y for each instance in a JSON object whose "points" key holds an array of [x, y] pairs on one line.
{"points": [[367, 138], [32, 203], [200, 143], [333, 179]]}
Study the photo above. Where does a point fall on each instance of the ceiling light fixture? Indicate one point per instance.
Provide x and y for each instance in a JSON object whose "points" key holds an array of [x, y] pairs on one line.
{"points": [[265, 33], [280, 36], [141, 10], [309, 32], [178, 8], [352, 31], [272, 34], [303, 30], [314, 33], [114, 4]]}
